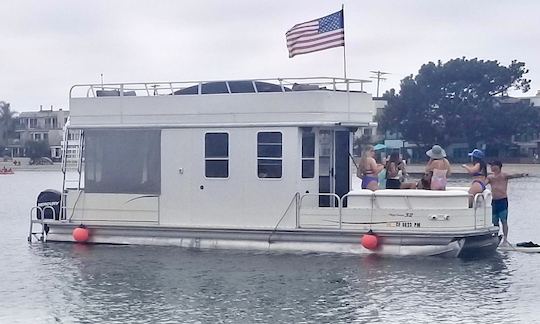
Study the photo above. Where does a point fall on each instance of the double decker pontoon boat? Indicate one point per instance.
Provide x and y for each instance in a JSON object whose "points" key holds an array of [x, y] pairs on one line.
{"points": [[251, 164]]}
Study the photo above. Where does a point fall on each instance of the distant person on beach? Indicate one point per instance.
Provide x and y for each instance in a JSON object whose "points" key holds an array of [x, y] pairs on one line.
{"points": [[368, 169], [499, 187], [478, 171], [439, 166]]}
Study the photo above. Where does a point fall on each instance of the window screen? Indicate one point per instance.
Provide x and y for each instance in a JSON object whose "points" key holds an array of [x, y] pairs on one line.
{"points": [[123, 161]]}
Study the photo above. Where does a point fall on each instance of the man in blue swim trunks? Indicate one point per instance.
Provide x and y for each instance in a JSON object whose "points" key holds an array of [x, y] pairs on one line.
{"points": [[499, 187]]}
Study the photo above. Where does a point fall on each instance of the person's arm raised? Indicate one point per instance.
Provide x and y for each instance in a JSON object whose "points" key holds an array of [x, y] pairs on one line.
{"points": [[471, 169], [516, 175]]}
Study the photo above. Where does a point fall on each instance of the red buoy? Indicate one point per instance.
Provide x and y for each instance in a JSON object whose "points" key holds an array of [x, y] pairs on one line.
{"points": [[370, 241], [81, 234]]}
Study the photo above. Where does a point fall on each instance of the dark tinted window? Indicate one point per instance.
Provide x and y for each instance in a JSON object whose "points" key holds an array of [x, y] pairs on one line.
{"points": [[216, 154], [214, 87], [241, 86], [308, 155], [308, 168], [216, 145], [269, 154]]}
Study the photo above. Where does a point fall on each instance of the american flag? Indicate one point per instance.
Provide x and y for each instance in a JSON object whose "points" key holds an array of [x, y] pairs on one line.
{"points": [[316, 35]]}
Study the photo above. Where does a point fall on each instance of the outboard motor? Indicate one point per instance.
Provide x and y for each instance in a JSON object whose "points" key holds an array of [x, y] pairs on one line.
{"points": [[51, 198]]}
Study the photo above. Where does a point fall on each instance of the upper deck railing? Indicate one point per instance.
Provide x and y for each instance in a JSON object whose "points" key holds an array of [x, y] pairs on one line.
{"points": [[216, 86]]}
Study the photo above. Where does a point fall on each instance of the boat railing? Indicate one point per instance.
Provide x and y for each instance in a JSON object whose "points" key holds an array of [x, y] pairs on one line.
{"points": [[479, 203], [148, 89], [36, 210], [294, 202], [326, 208]]}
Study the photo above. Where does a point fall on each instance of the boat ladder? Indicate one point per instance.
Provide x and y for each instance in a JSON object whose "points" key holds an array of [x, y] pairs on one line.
{"points": [[41, 233]]}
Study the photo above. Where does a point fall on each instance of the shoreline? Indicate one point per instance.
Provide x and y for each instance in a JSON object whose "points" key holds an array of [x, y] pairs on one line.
{"points": [[32, 168], [530, 169], [413, 169]]}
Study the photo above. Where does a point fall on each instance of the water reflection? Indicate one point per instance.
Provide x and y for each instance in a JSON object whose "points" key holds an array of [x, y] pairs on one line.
{"points": [[146, 284]]}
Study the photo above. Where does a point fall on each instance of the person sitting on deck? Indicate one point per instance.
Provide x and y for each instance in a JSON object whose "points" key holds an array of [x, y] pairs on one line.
{"points": [[368, 169], [478, 171], [423, 183], [439, 166]]}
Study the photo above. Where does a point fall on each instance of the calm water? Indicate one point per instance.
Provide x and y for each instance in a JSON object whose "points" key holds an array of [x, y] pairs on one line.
{"points": [[68, 283]]}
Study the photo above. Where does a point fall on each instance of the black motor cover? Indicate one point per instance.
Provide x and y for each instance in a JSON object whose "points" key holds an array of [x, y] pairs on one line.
{"points": [[49, 197]]}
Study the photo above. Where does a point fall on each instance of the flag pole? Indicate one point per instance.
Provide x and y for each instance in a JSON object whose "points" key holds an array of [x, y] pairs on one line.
{"points": [[344, 56], [345, 64]]}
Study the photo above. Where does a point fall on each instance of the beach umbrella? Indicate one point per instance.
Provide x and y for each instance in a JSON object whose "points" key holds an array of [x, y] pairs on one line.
{"points": [[379, 147]]}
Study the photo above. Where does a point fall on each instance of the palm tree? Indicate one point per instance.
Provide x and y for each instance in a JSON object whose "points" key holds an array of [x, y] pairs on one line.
{"points": [[7, 122]]}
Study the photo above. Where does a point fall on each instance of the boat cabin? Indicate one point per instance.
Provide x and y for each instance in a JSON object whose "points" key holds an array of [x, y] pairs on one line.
{"points": [[232, 154]]}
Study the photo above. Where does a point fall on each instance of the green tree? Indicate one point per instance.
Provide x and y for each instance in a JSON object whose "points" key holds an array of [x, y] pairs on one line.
{"points": [[459, 101], [7, 122], [37, 149]]}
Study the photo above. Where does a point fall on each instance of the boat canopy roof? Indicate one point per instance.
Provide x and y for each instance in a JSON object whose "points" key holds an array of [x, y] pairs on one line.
{"points": [[295, 101]]}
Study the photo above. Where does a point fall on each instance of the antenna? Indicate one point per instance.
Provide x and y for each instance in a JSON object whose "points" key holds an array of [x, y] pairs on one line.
{"points": [[379, 77], [102, 82]]}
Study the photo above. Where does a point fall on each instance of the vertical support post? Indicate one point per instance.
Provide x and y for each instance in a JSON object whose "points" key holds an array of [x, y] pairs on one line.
{"points": [[297, 208], [344, 52]]}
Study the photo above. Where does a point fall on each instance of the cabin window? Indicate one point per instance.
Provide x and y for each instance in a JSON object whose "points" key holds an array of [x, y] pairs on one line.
{"points": [[269, 154], [122, 161], [308, 155], [216, 155]]}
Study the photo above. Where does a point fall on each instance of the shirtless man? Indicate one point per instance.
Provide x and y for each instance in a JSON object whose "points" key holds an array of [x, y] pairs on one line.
{"points": [[499, 186]]}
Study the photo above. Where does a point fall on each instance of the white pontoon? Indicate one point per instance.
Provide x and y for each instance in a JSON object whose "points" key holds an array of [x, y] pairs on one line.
{"points": [[251, 164]]}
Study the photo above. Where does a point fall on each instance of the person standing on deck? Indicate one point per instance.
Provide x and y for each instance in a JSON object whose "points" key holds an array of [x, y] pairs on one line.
{"points": [[499, 187], [393, 167], [439, 167], [478, 171], [368, 169]]}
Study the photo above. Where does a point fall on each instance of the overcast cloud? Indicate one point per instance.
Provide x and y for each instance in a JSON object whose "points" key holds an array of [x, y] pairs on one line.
{"points": [[48, 46]]}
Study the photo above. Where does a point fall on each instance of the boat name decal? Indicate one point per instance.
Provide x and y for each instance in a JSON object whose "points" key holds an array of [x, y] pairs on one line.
{"points": [[402, 215]]}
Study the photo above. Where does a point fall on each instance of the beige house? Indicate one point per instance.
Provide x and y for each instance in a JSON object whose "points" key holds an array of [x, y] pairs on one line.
{"points": [[42, 125]]}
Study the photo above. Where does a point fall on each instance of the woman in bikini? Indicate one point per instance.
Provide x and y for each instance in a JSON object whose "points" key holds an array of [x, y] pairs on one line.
{"points": [[439, 167], [393, 168], [478, 171], [368, 169]]}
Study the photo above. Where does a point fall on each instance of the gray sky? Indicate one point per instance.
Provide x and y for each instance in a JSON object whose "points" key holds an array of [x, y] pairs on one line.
{"points": [[47, 46]]}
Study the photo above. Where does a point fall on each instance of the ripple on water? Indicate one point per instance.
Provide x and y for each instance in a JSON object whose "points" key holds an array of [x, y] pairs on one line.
{"points": [[66, 283]]}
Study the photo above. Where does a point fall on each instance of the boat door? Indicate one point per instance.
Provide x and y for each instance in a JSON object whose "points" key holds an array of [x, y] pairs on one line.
{"points": [[177, 172], [334, 166]]}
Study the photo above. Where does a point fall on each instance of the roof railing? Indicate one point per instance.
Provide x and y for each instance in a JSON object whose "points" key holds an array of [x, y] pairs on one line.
{"points": [[216, 87]]}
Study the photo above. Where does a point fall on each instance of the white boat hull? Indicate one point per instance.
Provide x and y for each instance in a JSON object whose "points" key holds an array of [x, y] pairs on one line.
{"points": [[301, 240]]}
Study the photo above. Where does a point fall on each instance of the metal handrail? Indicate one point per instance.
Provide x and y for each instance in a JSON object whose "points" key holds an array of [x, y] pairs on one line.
{"points": [[372, 207], [475, 203], [319, 195], [40, 221], [295, 200], [332, 82]]}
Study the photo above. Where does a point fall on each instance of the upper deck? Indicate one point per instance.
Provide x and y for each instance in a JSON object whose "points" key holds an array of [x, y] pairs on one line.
{"points": [[264, 102]]}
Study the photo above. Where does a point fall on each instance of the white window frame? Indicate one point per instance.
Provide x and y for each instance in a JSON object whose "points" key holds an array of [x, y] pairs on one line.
{"points": [[228, 158], [268, 158], [312, 158]]}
